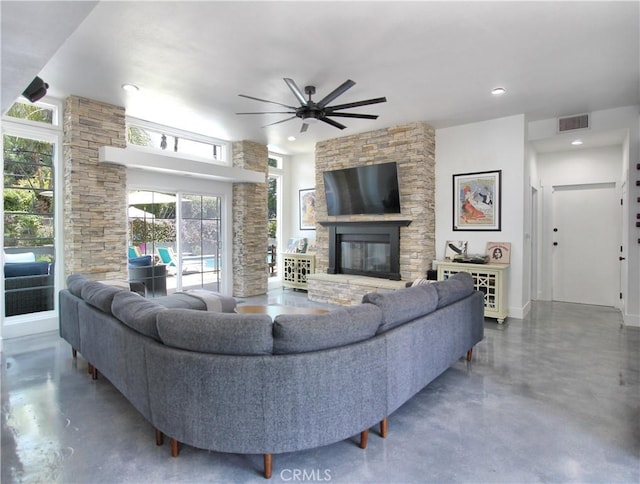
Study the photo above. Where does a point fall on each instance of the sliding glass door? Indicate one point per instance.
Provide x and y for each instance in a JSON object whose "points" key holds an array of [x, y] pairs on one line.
{"points": [[184, 236]]}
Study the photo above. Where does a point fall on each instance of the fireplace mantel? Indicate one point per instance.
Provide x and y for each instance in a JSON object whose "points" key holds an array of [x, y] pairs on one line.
{"points": [[388, 228]]}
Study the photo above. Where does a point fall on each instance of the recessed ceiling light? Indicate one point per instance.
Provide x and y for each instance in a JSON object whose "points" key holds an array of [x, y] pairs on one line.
{"points": [[130, 87], [291, 138], [576, 142], [498, 91]]}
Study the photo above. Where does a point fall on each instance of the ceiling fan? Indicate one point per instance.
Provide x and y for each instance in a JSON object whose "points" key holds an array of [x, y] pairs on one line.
{"points": [[310, 111]]}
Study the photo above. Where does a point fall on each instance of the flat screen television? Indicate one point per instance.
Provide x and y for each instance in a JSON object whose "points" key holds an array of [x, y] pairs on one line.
{"points": [[368, 189]]}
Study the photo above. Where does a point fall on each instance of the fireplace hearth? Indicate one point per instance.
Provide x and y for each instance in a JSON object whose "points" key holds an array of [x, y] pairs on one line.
{"points": [[365, 248]]}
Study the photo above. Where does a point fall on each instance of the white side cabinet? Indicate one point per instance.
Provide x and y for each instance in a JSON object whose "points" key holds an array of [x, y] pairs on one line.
{"points": [[490, 279], [295, 268]]}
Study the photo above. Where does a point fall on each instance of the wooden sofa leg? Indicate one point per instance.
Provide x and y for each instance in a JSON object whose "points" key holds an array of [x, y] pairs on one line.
{"points": [[74, 353], [94, 373], [175, 447], [469, 354], [268, 465], [384, 427], [159, 437], [364, 435]]}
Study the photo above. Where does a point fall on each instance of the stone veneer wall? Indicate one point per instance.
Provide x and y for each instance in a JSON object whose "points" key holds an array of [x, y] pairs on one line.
{"points": [[95, 223], [250, 230], [412, 147]]}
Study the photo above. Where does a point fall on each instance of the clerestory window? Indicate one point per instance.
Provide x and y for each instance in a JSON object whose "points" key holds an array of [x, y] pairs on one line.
{"points": [[163, 138]]}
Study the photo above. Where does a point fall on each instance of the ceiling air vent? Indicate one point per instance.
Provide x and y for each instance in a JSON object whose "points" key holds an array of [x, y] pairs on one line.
{"points": [[570, 123]]}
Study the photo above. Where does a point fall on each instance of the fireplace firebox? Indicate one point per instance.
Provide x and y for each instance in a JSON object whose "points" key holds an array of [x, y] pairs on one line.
{"points": [[365, 248]]}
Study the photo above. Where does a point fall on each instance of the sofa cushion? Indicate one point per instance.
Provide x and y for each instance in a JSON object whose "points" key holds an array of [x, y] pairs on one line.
{"points": [[142, 261], [212, 332], [403, 305], [75, 283], [99, 295], [301, 333], [20, 269], [456, 287], [137, 312]]}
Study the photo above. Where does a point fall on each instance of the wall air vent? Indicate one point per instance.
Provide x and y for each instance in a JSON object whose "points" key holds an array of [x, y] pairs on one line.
{"points": [[570, 123]]}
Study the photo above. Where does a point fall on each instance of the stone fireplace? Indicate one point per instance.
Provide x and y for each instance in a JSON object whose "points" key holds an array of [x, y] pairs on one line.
{"points": [[412, 147], [369, 249]]}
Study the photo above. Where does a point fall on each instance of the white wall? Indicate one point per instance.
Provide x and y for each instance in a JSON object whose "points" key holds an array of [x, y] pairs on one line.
{"points": [[300, 174], [497, 144], [628, 119]]}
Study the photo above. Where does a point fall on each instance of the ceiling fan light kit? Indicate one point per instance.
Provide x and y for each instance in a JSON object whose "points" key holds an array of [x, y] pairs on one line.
{"points": [[311, 112]]}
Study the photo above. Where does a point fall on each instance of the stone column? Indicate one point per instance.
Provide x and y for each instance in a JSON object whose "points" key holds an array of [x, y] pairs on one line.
{"points": [[250, 230], [95, 220]]}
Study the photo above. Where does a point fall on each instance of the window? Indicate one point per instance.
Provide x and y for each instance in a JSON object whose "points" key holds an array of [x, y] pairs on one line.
{"points": [[163, 138], [30, 149], [37, 113]]}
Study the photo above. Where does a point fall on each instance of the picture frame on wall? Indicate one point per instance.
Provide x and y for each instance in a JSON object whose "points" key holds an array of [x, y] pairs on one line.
{"points": [[477, 201], [307, 200]]}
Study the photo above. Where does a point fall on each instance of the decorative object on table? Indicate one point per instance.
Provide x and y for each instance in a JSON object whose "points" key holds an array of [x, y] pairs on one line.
{"points": [[471, 258], [455, 247], [297, 245], [476, 201], [499, 252], [308, 209]]}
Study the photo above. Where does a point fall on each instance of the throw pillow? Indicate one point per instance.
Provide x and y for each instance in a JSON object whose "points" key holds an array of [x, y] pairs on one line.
{"points": [[313, 332], [19, 257]]}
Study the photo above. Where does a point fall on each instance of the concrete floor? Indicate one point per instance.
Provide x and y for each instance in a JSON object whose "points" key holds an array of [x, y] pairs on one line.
{"points": [[551, 398]]}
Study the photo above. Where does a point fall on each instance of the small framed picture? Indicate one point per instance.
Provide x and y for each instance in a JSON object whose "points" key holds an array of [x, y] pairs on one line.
{"points": [[454, 248], [499, 252], [308, 209]]}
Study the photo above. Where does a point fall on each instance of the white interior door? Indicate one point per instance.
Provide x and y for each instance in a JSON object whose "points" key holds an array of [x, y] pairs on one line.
{"points": [[586, 238]]}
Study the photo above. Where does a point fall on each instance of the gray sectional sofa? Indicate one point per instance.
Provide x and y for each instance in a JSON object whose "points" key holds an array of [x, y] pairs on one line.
{"points": [[243, 383]]}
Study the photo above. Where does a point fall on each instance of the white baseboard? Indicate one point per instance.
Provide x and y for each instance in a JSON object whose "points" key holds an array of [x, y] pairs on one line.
{"points": [[631, 320], [30, 324]]}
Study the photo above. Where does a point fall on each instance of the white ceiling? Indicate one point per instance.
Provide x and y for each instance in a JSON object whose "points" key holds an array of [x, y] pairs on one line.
{"points": [[434, 61]]}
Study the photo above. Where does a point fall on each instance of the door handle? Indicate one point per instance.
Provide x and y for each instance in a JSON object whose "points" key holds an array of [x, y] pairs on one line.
{"points": [[555, 243], [622, 258]]}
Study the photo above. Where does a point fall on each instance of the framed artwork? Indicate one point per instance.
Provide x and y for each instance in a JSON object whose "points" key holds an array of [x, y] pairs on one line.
{"points": [[476, 201], [454, 248], [499, 252], [307, 199]]}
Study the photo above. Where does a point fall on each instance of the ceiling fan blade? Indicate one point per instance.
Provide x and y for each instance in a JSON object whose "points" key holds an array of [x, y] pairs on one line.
{"points": [[336, 92], [265, 101], [353, 115], [271, 112], [333, 123], [304, 127], [281, 121], [296, 91], [356, 104]]}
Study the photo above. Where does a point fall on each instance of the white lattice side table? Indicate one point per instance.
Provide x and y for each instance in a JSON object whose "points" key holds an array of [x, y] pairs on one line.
{"points": [[490, 279], [295, 268]]}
